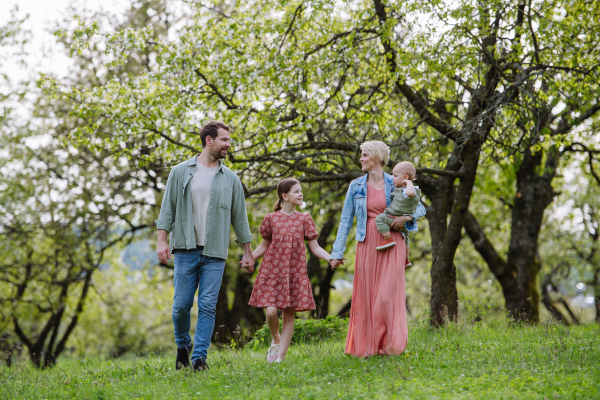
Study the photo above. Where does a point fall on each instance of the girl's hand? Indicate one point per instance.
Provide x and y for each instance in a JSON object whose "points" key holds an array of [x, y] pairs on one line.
{"points": [[336, 263], [406, 182], [248, 268]]}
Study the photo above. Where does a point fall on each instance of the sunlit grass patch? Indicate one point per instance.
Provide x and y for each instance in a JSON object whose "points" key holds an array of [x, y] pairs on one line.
{"points": [[459, 361]]}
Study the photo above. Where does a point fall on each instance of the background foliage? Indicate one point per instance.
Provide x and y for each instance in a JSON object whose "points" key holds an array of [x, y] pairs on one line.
{"points": [[495, 102]]}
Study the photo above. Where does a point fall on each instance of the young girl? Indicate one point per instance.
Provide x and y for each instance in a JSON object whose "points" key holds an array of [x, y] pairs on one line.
{"points": [[282, 282]]}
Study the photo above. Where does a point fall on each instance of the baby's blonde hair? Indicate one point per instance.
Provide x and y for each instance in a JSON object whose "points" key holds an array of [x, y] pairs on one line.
{"points": [[378, 151], [406, 167]]}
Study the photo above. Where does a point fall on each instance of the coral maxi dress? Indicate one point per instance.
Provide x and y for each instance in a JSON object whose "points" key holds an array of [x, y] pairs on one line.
{"points": [[282, 281], [378, 314]]}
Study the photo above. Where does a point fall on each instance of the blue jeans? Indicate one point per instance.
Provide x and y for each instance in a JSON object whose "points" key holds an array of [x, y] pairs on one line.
{"points": [[195, 271]]}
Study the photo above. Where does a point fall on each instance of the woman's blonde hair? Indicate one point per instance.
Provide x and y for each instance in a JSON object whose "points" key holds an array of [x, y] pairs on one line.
{"points": [[378, 151]]}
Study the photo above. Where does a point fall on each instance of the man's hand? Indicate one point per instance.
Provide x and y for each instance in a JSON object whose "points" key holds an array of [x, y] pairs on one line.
{"points": [[399, 222], [336, 263], [162, 247], [248, 263], [248, 259]]}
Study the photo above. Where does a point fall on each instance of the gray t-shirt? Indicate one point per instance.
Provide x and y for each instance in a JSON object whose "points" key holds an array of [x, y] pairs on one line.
{"points": [[201, 185]]}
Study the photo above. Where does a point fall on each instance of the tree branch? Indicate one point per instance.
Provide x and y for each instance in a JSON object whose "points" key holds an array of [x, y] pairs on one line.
{"points": [[228, 102], [451, 174], [464, 84], [496, 263], [296, 13], [349, 147], [591, 153], [566, 126], [416, 101], [322, 178], [86, 285], [336, 37]]}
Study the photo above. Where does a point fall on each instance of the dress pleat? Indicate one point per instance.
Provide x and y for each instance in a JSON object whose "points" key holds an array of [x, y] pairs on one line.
{"points": [[378, 313]]}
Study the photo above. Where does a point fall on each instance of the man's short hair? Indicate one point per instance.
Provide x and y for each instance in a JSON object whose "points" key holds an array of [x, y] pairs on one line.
{"points": [[211, 129], [378, 151]]}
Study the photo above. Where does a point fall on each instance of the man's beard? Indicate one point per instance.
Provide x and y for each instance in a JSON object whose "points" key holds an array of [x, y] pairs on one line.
{"points": [[217, 154]]}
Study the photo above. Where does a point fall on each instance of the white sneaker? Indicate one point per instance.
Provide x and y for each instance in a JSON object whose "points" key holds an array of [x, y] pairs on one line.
{"points": [[273, 353]]}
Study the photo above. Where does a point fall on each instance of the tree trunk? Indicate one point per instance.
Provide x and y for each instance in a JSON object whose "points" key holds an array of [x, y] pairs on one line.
{"points": [[597, 302], [44, 354], [555, 312], [6, 349], [445, 236], [322, 299], [323, 275], [241, 312], [468, 139], [518, 274], [534, 195], [444, 296], [345, 309], [219, 334]]}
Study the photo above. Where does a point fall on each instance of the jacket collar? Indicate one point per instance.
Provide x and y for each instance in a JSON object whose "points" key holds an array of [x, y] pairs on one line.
{"points": [[387, 177], [192, 163], [362, 180]]}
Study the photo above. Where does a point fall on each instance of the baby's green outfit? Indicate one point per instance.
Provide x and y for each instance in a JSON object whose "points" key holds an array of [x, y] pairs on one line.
{"points": [[401, 205]]}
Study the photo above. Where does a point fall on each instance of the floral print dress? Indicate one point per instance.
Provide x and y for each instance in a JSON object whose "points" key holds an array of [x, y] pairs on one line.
{"points": [[282, 281]]}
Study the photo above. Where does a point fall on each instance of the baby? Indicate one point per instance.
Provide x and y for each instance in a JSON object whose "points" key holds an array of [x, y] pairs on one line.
{"points": [[404, 203]]}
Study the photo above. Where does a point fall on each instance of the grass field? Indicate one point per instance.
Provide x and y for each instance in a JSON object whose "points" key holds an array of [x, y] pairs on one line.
{"points": [[457, 362]]}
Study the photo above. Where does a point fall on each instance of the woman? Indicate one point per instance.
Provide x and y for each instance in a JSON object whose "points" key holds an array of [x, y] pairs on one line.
{"points": [[378, 314]]}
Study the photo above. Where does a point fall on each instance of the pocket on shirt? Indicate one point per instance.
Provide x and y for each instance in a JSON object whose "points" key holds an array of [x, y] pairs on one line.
{"points": [[225, 198], [359, 204]]}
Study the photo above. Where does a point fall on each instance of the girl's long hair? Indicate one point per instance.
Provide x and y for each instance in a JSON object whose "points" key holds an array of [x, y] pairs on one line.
{"points": [[283, 187]]}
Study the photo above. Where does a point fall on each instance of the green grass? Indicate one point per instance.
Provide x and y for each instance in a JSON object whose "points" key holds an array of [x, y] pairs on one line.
{"points": [[457, 362]]}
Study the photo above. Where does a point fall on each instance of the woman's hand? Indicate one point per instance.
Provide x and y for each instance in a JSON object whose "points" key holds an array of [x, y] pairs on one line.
{"points": [[336, 263], [399, 222]]}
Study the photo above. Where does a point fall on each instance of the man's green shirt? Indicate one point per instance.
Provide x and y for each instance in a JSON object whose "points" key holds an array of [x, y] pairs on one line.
{"points": [[227, 206]]}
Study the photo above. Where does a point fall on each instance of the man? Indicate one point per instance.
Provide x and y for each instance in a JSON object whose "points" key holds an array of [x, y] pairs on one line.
{"points": [[202, 198]]}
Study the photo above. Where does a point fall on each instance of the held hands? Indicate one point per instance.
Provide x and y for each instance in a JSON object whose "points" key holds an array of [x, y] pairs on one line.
{"points": [[247, 263], [336, 263]]}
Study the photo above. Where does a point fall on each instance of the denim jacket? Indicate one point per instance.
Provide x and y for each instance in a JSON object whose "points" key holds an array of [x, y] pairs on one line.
{"points": [[356, 204]]}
